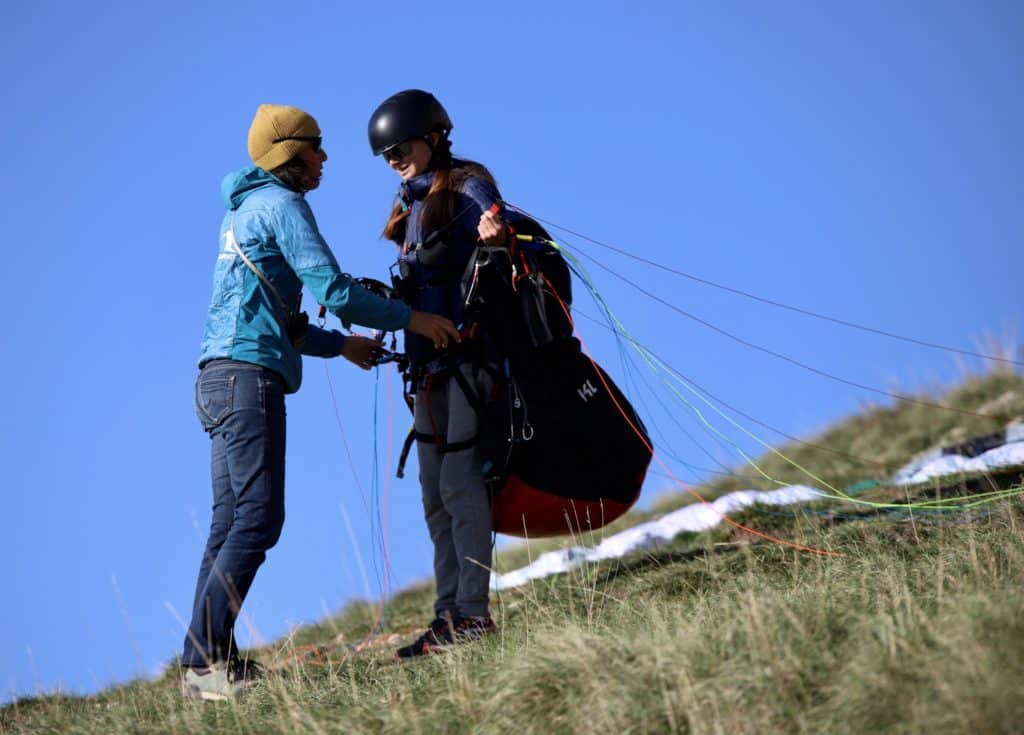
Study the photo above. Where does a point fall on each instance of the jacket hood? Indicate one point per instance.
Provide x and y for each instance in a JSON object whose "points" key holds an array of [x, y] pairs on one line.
{"points": [[237, 185]]}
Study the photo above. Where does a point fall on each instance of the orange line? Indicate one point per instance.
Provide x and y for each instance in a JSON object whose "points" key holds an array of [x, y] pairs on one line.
{"points": [[646, 442]]}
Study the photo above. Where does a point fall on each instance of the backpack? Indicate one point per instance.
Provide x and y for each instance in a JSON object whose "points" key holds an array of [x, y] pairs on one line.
{"points": [[563, 449]]}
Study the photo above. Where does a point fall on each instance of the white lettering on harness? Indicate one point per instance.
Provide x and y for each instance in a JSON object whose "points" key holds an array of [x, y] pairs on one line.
{"points": [[586, 391]]}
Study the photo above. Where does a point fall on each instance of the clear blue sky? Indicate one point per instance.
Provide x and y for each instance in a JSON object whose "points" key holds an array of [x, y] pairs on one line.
{"points": [[858, 158]]}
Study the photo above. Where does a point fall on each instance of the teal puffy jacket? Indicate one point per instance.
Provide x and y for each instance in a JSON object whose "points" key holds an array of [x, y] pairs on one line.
{"points": [[275, 228]]}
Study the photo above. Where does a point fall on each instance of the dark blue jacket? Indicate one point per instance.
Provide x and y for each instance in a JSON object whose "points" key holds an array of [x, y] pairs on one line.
{"points": [[436, 271]]}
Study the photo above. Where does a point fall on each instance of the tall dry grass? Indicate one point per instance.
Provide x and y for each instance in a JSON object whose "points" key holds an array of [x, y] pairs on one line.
{"points": [[915, 627]]}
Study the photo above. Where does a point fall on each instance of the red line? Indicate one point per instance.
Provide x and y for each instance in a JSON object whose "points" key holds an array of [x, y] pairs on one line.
{"points": [[665, 467], [344, 440], [384, 519]]}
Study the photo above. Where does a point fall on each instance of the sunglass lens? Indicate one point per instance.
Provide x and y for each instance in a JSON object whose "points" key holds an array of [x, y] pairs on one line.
{"points": [[398, 152]]}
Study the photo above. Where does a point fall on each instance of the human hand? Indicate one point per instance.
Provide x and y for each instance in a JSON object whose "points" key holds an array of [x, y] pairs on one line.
{"points": [[492, 230], [361, 351], [437, 329]]}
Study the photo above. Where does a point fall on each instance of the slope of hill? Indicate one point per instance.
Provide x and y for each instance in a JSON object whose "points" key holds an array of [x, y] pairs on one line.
{"points": [[912, 622]]}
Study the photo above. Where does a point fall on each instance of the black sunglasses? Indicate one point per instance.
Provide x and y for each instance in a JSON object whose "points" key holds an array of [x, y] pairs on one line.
{"points": [[397, 152], [316, 140]]}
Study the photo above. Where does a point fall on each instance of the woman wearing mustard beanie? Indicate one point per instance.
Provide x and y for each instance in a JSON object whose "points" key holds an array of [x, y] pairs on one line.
{"points": [[255, 336]]}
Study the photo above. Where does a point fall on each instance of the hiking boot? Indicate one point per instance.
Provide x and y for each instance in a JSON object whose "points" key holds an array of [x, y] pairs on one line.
{"points": [[439, 632], [467, 629], [221, 681]]}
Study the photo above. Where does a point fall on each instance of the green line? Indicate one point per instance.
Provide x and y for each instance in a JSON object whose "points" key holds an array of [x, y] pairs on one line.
{"points": [[661, 369]]}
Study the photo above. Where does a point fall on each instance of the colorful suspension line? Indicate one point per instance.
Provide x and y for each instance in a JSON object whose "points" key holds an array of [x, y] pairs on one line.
{"points": [[659, 366], [376, 505], [380, 497], [635, 379], [865, 460], [764, 300], [653, 363], [771, 352], [787, 358], [657, 457]]}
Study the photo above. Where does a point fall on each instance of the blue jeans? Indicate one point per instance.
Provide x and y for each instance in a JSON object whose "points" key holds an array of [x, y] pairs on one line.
{"points": [[241, 406]]}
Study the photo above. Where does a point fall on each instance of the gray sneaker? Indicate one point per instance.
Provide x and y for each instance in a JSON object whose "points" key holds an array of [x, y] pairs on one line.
{"points": [[219, 682]]}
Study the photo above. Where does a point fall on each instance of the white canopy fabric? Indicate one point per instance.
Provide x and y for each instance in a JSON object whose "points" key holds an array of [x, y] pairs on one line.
{"points": [[702, 516]]}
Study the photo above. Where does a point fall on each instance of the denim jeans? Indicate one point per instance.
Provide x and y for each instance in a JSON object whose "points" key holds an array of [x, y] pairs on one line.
{"points": [[241, 406]]}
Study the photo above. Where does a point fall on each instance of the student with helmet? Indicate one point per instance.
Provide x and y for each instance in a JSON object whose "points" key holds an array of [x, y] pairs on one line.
{"points": [[439, 216], [252, 349]]}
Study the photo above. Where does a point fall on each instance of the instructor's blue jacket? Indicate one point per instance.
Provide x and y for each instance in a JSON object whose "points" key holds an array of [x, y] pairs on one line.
{"points": [[275, 228]]}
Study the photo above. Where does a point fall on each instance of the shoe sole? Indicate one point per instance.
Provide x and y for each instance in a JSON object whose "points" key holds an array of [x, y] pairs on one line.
{"points": [[194, 692]]}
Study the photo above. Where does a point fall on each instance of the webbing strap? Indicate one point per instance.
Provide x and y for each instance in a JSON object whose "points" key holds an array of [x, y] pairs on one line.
{"points": [[436, 438], [406, 447], [235, 247], [472, 396], [443, 447]]}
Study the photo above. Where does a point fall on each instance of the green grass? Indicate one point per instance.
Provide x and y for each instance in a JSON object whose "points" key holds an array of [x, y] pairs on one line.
{"points": [[912, 627]]}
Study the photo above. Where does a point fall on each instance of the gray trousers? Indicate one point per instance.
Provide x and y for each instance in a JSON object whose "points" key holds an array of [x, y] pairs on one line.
{"points": [[454, 496]]}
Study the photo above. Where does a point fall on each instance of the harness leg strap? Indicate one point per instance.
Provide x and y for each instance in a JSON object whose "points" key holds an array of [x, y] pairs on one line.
{"points": [[406, 448]]}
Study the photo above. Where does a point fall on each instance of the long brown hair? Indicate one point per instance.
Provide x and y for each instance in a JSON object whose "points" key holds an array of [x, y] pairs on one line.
{"points": [[439, 205]]}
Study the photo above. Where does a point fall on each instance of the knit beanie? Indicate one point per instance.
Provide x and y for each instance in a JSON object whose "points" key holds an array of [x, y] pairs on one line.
{"points": [[273, 123]]}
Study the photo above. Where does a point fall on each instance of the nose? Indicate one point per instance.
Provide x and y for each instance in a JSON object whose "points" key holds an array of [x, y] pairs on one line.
{"points": [[323, 155]]}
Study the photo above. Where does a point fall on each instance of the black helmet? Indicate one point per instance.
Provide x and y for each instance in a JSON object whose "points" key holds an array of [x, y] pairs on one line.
{"points": [[406, 115]]}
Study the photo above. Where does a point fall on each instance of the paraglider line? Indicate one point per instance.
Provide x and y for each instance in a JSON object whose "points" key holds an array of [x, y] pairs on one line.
{"points": [[786, 358], [747, 416], [764, 300], [646, 442]]}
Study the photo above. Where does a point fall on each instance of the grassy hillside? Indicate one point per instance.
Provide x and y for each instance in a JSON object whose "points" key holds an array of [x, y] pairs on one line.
{"points": [[916, 624]]}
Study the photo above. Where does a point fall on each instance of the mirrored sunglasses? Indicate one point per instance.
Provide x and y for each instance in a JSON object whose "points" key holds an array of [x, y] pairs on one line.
{"points": [[397, 152]]}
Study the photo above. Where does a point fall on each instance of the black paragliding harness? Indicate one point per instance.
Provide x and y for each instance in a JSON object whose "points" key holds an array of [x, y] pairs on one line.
{"points": [[498, 284], [556, 436]]}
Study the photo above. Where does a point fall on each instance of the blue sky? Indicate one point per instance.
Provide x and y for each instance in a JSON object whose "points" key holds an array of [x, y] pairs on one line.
{"points": [[862, 159]]}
